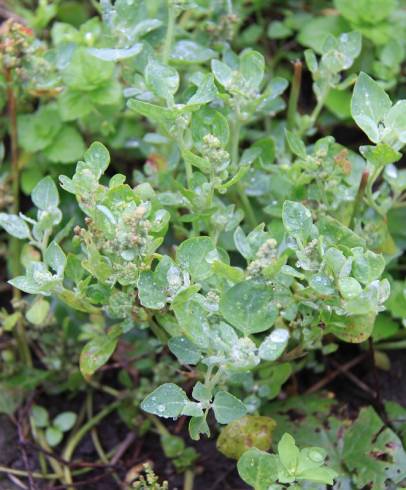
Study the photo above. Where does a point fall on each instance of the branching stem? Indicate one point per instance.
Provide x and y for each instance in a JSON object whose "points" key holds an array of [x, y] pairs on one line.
{"points": [[294, 93], [20, 333]]}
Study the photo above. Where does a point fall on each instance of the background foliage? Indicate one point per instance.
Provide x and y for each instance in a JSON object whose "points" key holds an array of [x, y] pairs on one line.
{"points": [[203, 206]]}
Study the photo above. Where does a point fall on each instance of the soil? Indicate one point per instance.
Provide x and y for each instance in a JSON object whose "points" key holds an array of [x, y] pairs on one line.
{"points": [[213, 471]]}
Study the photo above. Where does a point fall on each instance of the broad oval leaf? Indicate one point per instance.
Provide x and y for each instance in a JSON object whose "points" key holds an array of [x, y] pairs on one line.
{"points": [[248, 307], [258, 468], [297, 219], [369, 106], [227, 407], [96, 353], [185, 351], [45, 194], [14, 225], [168, 400]]}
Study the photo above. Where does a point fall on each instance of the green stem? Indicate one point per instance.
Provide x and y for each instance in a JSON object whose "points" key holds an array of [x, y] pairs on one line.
{"points": [[159, 332], [294, 93], [15, 247], [246, 205], [359, 197], [229, 7], [58, 469], [235, 141], [13, 471], [170, 31], [78, 436], [96, 440], [319, 106], [239, 192], [401, 344], [162, 430], [188, 480]]}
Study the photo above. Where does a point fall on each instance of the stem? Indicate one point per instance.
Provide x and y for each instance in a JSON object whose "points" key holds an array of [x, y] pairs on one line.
{"points": [[96, 440], [21, 336], [229, 7], [294, 93], [162, 430], [170, 31], [359, 197], [319, 106], [188, 480], [78, 436], [235, 141], [246, 205], [13, 471], [397, 345], [189, 173], [239, 193], [53, 462]]}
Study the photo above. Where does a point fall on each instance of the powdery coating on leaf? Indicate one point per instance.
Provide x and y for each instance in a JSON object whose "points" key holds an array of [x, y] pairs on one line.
{"points": [[168, 400]]}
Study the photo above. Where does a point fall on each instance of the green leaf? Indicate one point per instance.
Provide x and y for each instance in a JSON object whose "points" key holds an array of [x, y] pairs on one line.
{"points": [[201, 392], [252, 67], [192, 255], [245, 433], [258, 468], [380, 155], [186, 51], [227, 407], [192, 318], [85, 72], [242, 244], [185, 351], [338, 234], [116, 54], [163, 80], [365, 11], [14, 225], [273, 346], [192, 409], [38, 312], [354, 329], [373, 452], [369, 106], [197, 426], [349, 287], [55, 257], [278, 30], [67, 147], [172, 445], [223, 73], [288, 453], [296, 145], [297, 220], [314, 32], [96, 353], [208, 121], [74, 104], [53, 436], [26, 284], [367, 266], [247, 306], [39, 416], [168, 400], [206, 92], [45, 194], [395, 120], [322, 284], [201, 163], [65, 421], [97, 159], [37, 131]]}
